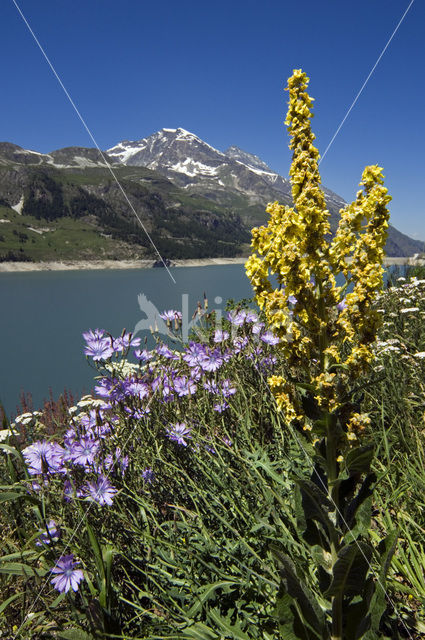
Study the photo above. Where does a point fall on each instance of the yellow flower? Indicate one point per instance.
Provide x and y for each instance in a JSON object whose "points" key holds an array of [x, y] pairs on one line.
{"points": [[327, 346]]}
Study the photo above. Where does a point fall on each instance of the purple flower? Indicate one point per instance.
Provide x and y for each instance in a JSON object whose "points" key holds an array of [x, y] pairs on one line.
{"points": [[178, 432], [101, 491], [104, 388], [44, 457], [171, 315], [50, 534], [90, 335], [211, 386], [269, 338], [221, 406], [137, 388], [164, 351], [226, 389], [251, 316], [212, 361], [237, 318], [184, 386], [292, 299], [100, 349], [69, 492], [124, 342], [267, 363], [257, 327], [84, 451], [144, 355], [67, 576], [220, 336], [342, 305], [148, 475], [239, 344], [194, 354]]}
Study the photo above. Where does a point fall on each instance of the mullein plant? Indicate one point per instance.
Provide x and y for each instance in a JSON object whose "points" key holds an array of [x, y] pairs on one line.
{"points": [[326, 333]]}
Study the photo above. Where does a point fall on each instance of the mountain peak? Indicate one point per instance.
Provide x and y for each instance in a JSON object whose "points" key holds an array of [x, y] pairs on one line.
{"points": [[247, 158]]}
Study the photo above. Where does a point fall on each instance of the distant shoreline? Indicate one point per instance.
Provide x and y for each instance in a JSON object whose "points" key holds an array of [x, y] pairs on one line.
{"points": [[90, 265]]}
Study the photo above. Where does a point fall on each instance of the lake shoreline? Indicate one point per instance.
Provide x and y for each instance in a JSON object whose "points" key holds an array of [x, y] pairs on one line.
{"points": [[90, 265]]}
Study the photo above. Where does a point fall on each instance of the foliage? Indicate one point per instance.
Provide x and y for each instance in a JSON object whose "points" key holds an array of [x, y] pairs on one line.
{"points": [[177, 502], [326, 336]]}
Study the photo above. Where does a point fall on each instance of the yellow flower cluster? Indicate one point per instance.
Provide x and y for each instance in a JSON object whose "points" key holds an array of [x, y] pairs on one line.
{"points": [[325, 332]]}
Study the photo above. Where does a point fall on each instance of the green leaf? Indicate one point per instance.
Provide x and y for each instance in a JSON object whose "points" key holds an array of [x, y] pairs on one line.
{"points": [[308, 608], [11, 450], [362, 520], [315, 503], [7, 602], [350, 570], [8, 496], [224, 624], [200, 631], [378, 603], [357, 617], [21, 569], [75, 634], [206, 593], [358, 460], [289, 620]]}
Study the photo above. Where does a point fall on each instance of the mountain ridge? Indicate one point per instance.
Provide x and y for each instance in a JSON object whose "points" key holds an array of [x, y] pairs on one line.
{"points": [[197, 201]]}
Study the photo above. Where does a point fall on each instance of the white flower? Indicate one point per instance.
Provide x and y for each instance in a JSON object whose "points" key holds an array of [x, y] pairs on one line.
{"points": [[420, 354], [409, 310], [5, 434]]}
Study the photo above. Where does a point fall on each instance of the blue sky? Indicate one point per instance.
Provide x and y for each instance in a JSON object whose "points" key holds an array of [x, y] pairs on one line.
{"points": [[218, 69]]}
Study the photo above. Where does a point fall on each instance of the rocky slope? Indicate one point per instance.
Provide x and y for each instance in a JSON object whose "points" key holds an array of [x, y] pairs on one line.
{"points": [[193, 200]]}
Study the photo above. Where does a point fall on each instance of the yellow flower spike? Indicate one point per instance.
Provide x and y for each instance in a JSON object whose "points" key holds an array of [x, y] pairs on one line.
{"points": [[315, 332]]}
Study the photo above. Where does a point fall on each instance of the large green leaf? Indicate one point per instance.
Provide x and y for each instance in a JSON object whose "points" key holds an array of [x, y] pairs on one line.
{"points": [[310, 612], [315, 504], [289, 620], [357, 617], [358, 460], [350, 570], [364, 492], [378, 603], [9, 496]]}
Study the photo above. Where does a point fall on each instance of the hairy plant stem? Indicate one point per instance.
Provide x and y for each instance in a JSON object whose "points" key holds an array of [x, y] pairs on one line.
{"points": [[331, 468]]}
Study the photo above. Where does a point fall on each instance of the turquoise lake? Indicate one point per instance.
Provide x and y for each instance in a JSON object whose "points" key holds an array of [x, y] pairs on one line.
{"points": [[43, 314]]}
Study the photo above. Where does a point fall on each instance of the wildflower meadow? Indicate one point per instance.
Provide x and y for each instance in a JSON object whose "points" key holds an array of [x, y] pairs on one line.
{"points": [[262, 480]]}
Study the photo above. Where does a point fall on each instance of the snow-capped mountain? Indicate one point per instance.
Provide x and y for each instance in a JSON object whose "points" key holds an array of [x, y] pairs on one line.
{"points": [[198, 167], [163, 175]]}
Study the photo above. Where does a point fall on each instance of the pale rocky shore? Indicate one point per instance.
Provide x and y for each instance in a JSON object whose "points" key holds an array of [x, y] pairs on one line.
{"points": [[88, 265]]}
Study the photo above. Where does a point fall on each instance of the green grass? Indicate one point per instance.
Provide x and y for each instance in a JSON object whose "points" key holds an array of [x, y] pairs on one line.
{"points": [[188, 555]]}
